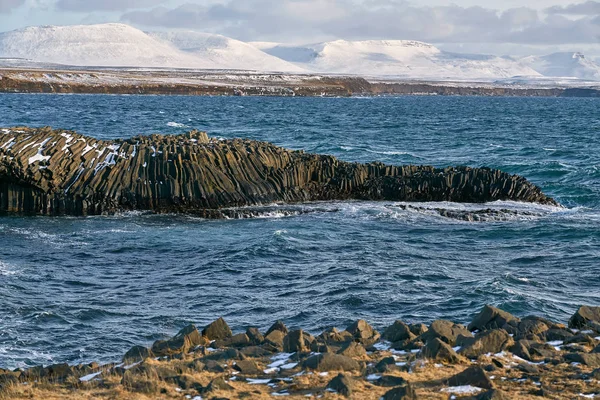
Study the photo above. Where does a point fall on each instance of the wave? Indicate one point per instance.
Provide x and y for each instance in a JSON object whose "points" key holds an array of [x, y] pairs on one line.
{"points": [[176, 125]]}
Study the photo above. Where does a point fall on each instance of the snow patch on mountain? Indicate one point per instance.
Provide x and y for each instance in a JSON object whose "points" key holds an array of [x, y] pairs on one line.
{"points": [[224, 52], [566, 65]]}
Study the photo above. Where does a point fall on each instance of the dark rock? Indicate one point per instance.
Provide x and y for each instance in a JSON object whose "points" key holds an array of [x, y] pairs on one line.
{"points": [[494, 394], [446, 331], [497, 363], [520, 349], [331, 362], [353, 349], [136, 354], [247, 367], [214, 366], [275, 338], [401, 393], [397, 332], [217, 385], [596, 349], [528, 368], [363, 332], [595, 374], [186, 339], [491, 318], [277, 326], [589, 359], [217, 330], [255, 336], [531, 327], [239, 340], [474, 376], [554, 334], [385, 363], [228, 354], [584, 315], [294, 342], [390, 381], [491, 341], [418, 329], [186, 382], [582, 338], [194, 174], [436, 349], [255, 351], [342, 384], [333, 336]]}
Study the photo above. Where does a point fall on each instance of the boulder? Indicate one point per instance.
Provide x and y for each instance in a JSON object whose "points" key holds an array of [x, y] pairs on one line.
{"points": [[474, 376], [186, 339], [418, 329], [406, 392], [385, 364], [341, 384], [390, 381], [584, 315], [446, 331], [363, 332], [217, 330], [239, 340], [247, 367], [531, 328], [136, 354], [438, 350], [277, 326], [589, 359], [294, 342], [491, 318], [255, 336], [397, 332], [219, 384], [491, 341], [353, 349], [333, 336], [330, 362], [555, 334], [59, 372], [275, 338]]}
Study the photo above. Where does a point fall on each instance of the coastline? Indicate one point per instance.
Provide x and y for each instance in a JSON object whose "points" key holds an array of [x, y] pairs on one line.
{"points": [[236, 83], [497, 356]]}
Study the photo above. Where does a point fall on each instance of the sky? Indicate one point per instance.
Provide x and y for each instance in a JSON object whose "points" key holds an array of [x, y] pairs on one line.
{"points": [[506, 27]]}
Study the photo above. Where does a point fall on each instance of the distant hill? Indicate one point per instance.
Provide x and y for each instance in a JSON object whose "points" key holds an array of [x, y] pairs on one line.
{"points": [[397, 58], [566, 65]]}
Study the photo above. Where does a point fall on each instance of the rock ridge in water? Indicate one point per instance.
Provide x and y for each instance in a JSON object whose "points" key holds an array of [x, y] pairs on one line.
{"points": [[58, 172]]}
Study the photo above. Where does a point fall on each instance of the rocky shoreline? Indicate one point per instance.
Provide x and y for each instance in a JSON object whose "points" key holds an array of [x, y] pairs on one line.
{"points": [[59, 172], [237, 83], [497, 356]]}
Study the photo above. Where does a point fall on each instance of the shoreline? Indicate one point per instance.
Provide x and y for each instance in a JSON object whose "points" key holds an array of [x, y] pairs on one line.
{"points": [[497, 356], [236, 83]]}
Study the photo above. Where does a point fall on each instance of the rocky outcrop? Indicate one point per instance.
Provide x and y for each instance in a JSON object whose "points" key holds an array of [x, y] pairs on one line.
{"points": [[56, 172]]}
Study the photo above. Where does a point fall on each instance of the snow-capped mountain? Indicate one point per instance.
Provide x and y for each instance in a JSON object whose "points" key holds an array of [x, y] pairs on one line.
{"points": [[120, 45], [224, 52], [105, 45], [566, 65], [397, 58]]}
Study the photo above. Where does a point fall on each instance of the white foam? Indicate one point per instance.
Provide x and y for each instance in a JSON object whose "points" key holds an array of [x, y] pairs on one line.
{"points": [[176, 125]]}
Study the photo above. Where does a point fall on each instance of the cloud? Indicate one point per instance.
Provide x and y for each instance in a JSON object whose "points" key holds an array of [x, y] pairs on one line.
{"points": [[303, 20], [104, 5], [587, 8], [7, 6]]}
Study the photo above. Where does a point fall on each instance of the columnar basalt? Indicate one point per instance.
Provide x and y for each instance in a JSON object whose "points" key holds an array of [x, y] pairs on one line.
{"points": [[58, 172]]}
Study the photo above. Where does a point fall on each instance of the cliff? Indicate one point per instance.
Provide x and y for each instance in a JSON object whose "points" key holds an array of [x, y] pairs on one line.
{"points": [[56, 172]]}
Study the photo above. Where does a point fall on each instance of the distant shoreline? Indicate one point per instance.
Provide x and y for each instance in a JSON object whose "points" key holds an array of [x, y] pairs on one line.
{"points": [[226, 83]]}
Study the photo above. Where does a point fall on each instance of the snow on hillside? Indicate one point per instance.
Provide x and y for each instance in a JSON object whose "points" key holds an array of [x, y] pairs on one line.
{"points": [[224, 52], [397, 58], [567, 65], [105, 45]]}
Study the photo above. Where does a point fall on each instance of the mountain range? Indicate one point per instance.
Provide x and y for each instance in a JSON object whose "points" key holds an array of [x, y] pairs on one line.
{"points": [[120, 45]]}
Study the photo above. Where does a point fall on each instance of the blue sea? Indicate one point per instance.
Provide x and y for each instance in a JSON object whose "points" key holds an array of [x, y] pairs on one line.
{"points": [[87, 289]]}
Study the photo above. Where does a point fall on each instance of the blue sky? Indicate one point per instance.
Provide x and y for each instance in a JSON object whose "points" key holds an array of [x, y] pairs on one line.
{"points": [[506, 27]]}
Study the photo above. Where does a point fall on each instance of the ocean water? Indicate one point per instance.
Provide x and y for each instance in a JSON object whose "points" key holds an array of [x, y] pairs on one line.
{"points": [[86, 289]]}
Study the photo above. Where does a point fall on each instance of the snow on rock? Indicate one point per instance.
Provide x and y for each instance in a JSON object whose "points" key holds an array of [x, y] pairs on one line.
{"points": [[566, 65], [225, 53], [396, 58]]}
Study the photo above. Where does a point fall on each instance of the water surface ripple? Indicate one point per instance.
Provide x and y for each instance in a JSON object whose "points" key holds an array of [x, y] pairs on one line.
{"points": [[83, 289]]}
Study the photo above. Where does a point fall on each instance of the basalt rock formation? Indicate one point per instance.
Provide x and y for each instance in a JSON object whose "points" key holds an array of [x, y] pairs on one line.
{"points": [[57, 172]]}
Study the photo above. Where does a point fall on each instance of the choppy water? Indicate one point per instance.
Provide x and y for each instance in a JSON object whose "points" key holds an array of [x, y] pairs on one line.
{"points": [[82, 289]]}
